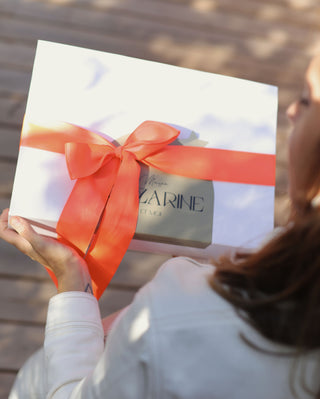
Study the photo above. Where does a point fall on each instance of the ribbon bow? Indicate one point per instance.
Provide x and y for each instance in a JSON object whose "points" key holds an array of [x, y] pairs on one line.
{"points": [[100, 215]]}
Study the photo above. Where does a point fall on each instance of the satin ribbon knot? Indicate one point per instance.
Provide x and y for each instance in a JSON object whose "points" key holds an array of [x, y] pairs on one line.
{"points": [[85, 159], [119, 152]]}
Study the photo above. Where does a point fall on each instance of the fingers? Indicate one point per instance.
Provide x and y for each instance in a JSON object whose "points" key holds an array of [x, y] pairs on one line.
{"points": [[27, 240], [14, 238], [60, 259], [10, 235], [67, 265], [45, 250], [23, 228]]}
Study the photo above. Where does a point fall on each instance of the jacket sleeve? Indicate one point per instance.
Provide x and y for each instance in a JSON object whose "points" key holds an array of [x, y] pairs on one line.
{"points": [[77, 363], [73, 341]]}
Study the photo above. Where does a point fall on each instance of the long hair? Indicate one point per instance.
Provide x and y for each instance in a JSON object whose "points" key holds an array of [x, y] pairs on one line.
{"points": [[277, 288]]}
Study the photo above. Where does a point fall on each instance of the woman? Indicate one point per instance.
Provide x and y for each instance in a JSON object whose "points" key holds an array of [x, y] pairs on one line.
{"points": [[247, 328]]}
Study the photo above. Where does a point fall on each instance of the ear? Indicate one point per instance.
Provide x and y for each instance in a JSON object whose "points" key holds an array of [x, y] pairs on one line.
{"points": [[315, 202]]}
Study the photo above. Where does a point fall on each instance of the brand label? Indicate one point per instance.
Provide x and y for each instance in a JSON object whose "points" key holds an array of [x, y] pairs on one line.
{"points": [[174, 209]]}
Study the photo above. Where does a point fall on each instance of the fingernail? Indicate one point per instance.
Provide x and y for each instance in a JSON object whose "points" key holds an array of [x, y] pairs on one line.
{"points": [[16, 224]]}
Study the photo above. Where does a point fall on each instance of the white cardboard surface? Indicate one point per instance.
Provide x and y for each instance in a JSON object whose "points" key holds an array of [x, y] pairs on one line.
{"points": [[113, 94]]}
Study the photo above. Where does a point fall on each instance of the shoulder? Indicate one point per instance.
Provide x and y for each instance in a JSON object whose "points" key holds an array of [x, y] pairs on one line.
{"points": [[180, 287], [183, 271], [179, 271]]}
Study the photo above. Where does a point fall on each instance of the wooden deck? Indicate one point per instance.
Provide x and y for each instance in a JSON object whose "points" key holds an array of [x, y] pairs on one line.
{"points": [[267, 41]]}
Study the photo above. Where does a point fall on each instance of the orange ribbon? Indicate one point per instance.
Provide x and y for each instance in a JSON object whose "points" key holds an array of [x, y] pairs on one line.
{"points": [[106, 193]]}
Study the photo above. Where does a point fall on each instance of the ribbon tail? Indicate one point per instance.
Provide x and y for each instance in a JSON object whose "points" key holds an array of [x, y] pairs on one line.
{"points": [[117, 225], [216, 164], [82, 211], [54, 136]]}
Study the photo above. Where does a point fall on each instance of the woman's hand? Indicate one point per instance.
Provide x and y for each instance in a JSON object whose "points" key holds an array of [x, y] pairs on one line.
{"points": [[69, 268]]}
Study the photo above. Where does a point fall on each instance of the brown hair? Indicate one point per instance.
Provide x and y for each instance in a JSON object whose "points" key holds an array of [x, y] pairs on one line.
{"points": [[277, 288]]}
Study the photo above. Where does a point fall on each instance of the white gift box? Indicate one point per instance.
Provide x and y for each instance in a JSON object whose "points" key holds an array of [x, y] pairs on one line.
{"points": [[113, 94]]}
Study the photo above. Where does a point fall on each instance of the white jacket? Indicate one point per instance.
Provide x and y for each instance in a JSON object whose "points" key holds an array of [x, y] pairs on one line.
{"points": [[178, 339]]}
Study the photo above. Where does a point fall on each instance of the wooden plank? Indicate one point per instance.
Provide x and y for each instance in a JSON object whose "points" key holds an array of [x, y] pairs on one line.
{"points": [[161, 18], [280, 12], [12, 110], [221, 57], [19, 290], [14, 81], [9, 142], [6, 178], [13, 263], [17, 343], [113, 300], [227, 56], [154, 38], [6, 382], [166, 44], [16, 55], [24, 312], [26, 31], [137, 268], [4, 203]]}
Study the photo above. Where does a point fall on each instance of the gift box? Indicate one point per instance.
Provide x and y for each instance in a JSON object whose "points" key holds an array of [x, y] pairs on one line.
{"points": [[107, 97]]}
